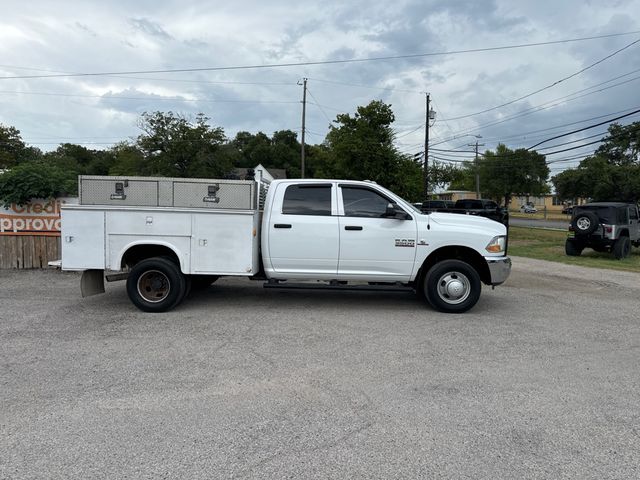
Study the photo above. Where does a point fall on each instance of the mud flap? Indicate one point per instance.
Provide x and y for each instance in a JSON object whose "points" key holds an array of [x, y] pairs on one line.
{"points": [[92, 282]]}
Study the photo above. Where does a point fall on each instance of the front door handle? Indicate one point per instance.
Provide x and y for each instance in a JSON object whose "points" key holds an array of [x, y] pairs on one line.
{"points": [[281, 225], [353, 227]]}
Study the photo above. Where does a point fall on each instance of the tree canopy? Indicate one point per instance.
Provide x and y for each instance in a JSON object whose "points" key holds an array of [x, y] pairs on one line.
{"points": [[360, 147], [505, 172], [611, 173]]}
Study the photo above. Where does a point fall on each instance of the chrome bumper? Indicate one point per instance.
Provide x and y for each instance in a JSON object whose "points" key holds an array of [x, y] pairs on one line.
{"points": [[499, 268]]}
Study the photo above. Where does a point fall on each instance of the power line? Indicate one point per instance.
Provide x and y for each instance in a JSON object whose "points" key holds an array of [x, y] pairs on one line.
{"points": [[322, 62], [319, 106], [388, 89], [153, 97], [548, 86], [543, 129], [586, 128]]}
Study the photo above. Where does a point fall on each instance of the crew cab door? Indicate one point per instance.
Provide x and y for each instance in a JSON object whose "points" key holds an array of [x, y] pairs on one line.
{"points": [[303, 231], [372, 245]]}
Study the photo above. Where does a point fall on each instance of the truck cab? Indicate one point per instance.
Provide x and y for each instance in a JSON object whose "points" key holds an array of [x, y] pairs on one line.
{"points": [[352, 231]]}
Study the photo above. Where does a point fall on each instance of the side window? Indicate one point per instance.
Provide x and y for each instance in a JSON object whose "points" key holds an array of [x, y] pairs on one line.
{"points": [[633, 213], [362, 202], [492, 205], [307, 200]]}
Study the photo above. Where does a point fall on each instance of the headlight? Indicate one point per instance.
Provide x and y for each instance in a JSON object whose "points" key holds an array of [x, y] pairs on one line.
{"points": [[497, 244]]}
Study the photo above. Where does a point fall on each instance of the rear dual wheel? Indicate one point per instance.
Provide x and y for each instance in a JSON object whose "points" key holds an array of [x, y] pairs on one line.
{"points": [[156, 285]]}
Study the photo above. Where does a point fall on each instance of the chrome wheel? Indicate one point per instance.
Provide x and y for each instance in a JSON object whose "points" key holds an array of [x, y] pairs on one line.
{"points": [[154, 286], [454, 288]]}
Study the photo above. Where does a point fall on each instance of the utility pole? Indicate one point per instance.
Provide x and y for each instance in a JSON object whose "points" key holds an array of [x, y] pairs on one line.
{"points": [[476, 166], [425, 165], [304, 112]]}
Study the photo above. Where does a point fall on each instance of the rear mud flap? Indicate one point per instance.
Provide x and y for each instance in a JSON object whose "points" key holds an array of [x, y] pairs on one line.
{"points": [[92, 282]]}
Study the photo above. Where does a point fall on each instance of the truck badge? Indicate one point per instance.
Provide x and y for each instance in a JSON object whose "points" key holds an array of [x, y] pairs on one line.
{"points": [[404, 242]]}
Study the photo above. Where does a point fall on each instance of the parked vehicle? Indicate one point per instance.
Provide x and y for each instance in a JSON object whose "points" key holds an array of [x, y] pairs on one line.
{"points": [[605, 227], [165, 234], [528, 209], [567, 210], [481, 208], [435, 206]]}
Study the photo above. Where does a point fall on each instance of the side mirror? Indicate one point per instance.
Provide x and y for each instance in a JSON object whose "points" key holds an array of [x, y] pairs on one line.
{"points": [[390, 211], [393, 211]]}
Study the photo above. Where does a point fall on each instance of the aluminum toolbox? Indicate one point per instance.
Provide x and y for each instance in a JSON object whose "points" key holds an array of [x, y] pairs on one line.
{"points": [[168, 192]]}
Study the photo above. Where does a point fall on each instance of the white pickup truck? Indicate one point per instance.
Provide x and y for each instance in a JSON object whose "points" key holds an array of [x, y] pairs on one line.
{"points": [[163, 235]]}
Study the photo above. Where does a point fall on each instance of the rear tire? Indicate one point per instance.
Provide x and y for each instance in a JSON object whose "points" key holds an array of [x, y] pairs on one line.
{"points": [[156, 285], [572, 249], [452, 286], [622, 248]]}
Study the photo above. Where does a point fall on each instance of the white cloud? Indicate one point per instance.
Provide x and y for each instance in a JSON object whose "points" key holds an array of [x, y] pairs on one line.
{"points": [[147, 35]]}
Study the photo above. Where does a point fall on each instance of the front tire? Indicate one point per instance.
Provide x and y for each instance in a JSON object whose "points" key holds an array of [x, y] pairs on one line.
{"points": [[156, 285], [452, 286]]}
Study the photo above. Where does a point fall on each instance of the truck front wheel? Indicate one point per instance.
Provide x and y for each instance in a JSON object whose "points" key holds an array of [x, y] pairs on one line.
{"points": [[156, 285], [452, 286]]}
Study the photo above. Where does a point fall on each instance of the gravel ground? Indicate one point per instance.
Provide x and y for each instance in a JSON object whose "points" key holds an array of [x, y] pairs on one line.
{"points": [[539, 380]]}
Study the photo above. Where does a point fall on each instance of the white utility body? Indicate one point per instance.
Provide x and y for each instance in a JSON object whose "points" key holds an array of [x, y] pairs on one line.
{"points": [[164, 235]]}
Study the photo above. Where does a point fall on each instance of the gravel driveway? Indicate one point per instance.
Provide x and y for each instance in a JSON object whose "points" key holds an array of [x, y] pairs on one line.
{"points": [[539, 380]]}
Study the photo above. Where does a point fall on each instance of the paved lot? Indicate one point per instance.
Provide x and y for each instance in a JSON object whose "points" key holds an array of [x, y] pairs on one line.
{"points": [[540, 380]]}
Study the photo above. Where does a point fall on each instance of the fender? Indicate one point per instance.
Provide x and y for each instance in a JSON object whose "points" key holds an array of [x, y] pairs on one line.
{"points": [[182, 258]]}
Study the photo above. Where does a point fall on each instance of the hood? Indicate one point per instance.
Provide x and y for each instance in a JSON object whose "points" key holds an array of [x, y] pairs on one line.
{"points": [[474, 221]]}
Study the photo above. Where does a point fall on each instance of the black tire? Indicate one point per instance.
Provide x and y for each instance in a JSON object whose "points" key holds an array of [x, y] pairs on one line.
{"points": [[202, 281], [584, 223], [622, 248], [452, 286], [156, 285], [572, 248]]}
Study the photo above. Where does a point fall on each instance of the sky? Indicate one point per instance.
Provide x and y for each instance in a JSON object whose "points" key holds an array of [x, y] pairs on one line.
{"points": [[112, 38]]}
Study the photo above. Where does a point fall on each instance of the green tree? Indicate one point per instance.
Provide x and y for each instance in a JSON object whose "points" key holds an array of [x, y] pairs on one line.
{"points": [[176, 146], [81, 160], [611, 173], [12, 149], [35, 180], [507, 172], [360, 147]]}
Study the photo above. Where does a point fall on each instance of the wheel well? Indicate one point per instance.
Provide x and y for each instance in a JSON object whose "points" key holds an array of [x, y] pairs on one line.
{"points": [[624, 233], [457, 252], [138, 253]]}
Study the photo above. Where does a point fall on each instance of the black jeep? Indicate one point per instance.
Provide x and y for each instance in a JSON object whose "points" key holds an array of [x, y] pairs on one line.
{"points": [[605, 227]]}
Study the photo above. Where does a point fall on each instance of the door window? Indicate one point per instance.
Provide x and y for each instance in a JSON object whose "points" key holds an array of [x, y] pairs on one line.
{"points": [[307, 200], [362, 202]]}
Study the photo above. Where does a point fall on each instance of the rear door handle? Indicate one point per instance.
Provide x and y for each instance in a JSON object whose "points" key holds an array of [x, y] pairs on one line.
{"points": [[281, 225], [353, 227]]}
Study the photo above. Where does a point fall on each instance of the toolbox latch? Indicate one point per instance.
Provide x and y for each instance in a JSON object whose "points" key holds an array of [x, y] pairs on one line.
{"points": [[212, 194]]}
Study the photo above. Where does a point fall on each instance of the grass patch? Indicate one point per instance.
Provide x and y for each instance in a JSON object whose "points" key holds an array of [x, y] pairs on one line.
{"points": [[549, 245]]}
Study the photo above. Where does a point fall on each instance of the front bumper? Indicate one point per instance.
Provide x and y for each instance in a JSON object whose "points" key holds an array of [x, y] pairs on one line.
{"points": [[499, 268]]}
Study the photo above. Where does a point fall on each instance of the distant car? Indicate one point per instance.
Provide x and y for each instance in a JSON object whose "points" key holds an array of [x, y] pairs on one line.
{"points": [[433, 205], [528, 209], [568, 210]]}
